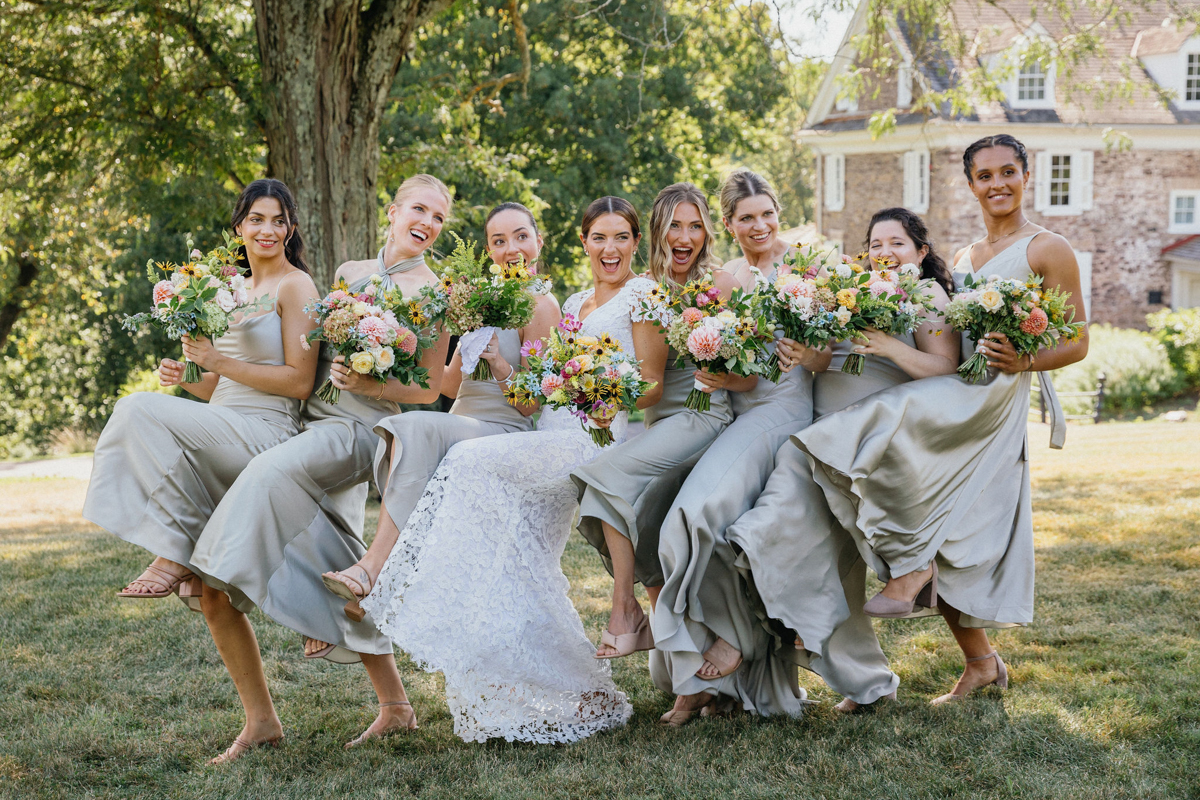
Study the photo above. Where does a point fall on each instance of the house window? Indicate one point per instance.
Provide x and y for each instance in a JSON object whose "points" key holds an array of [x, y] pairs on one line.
{"points": [[1184, 212], [1191, 87], [1031, 82], [1063, 182], [835, 182], [916, 181]]}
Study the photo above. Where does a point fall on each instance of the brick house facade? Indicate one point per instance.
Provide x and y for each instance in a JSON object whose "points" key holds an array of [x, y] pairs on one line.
{"points": [[1126, 211]]}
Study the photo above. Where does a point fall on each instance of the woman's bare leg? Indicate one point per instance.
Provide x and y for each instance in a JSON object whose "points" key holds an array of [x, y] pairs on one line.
{"points": [[974, 644], [626, 613]]}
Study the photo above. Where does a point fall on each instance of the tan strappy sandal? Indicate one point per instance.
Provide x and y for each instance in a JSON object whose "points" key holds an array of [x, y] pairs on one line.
{"points": [[722, 672], [339, 583], [677, 718], [364, 737], [1001, 680], [241, 747], [175, 584], [628, 643]]}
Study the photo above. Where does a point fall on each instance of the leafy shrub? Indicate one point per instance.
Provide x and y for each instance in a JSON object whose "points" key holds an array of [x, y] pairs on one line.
{"points": [[1136, 366], [1179, 333]]}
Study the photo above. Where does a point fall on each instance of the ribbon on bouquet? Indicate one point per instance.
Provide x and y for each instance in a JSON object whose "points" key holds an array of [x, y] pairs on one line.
{"points": [[470, 347]]}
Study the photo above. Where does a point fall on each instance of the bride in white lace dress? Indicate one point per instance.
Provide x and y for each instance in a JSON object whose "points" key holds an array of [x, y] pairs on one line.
{"points": [[474, 588]]}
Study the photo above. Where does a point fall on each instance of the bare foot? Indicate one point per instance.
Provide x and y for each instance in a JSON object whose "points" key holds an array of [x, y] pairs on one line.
{"points": [[906, 587], [686, 706], [394, 716], [625, 618], [159, 577], [314, 646], [719, 660], [975, 675], [252, 737]]}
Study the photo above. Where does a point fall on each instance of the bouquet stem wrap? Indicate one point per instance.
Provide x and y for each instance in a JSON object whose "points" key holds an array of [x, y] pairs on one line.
{"points": [[974, 369], [470, 348], [698, 399], [191, 372]]}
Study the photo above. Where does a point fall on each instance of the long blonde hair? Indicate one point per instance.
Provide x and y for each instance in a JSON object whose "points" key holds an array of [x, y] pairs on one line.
{"points": [[423, 181], [660, 223], [740, 184]]}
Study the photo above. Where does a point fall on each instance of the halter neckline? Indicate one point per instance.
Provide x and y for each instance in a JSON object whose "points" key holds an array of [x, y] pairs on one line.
{"points": [[401, 266]]}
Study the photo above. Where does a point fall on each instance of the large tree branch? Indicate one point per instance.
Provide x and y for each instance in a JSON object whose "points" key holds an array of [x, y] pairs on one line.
{"points": [[10, 311]]}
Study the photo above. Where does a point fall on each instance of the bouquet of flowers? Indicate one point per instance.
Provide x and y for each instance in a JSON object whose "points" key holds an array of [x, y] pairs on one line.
{"points": [[721, 337], [891, 299], [1031, 317], [475, 300], [378, 332], [589, 375], [800, 305], [200, 296]]}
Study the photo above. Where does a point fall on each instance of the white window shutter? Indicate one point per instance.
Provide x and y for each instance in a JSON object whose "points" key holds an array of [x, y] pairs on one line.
{"points": [[1082, 164], [922, 183], [1085, 280], [910, 172], [835, 182], [1041, 182], [904, 82]]}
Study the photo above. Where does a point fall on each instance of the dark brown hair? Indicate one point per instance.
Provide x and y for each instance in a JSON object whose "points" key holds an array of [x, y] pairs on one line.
{"points": [[610, 205], [511, 206], [932, 266], [997, 140], [293, 248]]}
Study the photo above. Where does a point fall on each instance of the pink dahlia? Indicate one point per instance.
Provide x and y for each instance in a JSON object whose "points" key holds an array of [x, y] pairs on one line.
{"points": [[692, 315], [406, 341], [374, 329], [551, 384], [337, 295], [1036, 324], [880, 287], [704, 343], [163, 291]]}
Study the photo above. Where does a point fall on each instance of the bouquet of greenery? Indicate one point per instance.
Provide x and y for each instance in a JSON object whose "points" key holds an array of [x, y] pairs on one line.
{"points": [[589, 375], [474, 300], [200, 296], [374, 330], [1031, 317]]}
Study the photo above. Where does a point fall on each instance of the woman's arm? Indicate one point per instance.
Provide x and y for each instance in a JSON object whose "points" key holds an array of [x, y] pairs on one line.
{"points": [[1052, 258], [937, 347], [294, 378], [170, 373], [650, 347], [452, 376]]}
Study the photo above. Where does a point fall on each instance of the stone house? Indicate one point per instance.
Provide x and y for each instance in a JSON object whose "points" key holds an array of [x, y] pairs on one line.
{"points": [[1132, 213]]}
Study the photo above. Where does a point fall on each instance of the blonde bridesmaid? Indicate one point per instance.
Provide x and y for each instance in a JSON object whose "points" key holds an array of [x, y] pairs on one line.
{"points": [[162, 462], [943, 513], [412, 445], [298, 509], [803, 566], [626, 491], [707, 639]]}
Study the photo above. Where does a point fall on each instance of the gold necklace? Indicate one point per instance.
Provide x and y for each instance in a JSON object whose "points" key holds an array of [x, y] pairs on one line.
{"points": [[1005, 236]]}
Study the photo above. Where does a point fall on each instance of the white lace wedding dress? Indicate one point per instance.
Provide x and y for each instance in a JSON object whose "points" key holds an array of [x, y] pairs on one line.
{"points": [[474, 587]]}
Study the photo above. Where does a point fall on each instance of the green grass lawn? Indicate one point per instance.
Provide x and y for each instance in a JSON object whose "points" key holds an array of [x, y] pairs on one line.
{"points": [[100, 698]]}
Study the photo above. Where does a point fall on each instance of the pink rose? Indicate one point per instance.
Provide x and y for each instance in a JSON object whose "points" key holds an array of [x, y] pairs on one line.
{"points": [[406, 341], [163, 291], [703, 299], [374, 329], [390, 319], [692, 315], [551, 384], [229, 270], [569, 324], [1036, 324], [704, 343], [571, 368]]}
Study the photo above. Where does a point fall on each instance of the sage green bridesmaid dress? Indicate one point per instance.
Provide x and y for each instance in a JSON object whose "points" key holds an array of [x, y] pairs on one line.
{"points": [[298, 510], [703, 595], [164, 463], [631, 486], [938, 469], [803, 567], [422, 438]]}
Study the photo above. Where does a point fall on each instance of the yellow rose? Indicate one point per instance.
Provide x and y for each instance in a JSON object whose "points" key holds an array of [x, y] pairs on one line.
{"points": [[585, 362], [588, 341], [991, 299], [848, 298], [360, 309], [362, 363]]}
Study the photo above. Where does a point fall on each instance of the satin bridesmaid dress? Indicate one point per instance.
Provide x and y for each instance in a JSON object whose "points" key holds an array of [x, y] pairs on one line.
{"points": [[938, 469], [703, 595], [632, 486], [803, 567], [163, 463], [298, 510]]}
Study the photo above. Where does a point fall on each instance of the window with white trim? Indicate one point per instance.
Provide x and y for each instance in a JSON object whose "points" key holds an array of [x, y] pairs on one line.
{"points": [[1191, 80], [1184, 212], [835, 182], [1031, 85], [1084, 260], [916, 181], [1031, 82], [1063, 182]]}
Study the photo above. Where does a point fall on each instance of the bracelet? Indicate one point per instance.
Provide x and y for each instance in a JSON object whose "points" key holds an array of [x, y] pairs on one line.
{"points": [[382, 388], [511, 371]]}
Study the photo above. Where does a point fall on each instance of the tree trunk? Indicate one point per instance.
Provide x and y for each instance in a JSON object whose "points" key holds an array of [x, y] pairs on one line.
{"points": [[327, 68], [13, 305]]}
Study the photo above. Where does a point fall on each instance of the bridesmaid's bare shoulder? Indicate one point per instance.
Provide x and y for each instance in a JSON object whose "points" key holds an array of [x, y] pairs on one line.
{"points": [[352, 270]]}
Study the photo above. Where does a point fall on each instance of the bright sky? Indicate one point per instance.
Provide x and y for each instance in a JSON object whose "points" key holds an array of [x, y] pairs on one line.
{"points": [[813, 38]]}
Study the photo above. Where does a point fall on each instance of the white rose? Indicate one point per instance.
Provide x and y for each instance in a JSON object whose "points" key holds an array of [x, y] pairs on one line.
{"points": [[241, 297], [843, 315], [727, 316], [237, 282], [385, 357], [226, 300], [991, 300], [360, 309], [624, 368]]}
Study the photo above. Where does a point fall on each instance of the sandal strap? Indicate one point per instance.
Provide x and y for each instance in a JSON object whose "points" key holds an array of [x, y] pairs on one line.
{"points": [[395, 703], [993, 654]]}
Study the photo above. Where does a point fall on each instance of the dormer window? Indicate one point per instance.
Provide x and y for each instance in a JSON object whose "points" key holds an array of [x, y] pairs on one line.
{"points": [[1031, 82]]}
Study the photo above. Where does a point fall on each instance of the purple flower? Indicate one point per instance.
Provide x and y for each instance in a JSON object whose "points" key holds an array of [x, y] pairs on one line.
{"points": [[569, 324], [534, 348]]}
